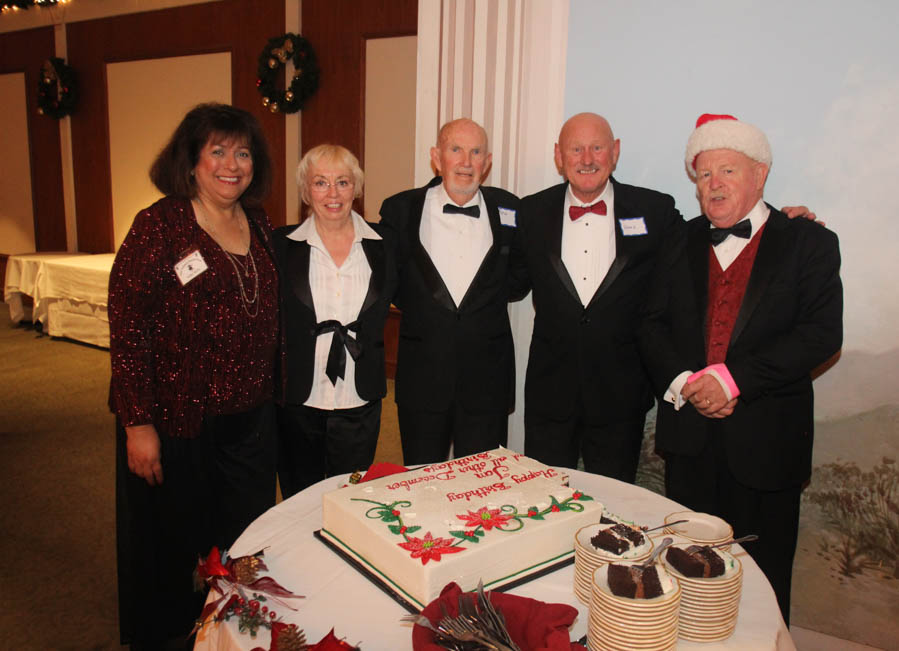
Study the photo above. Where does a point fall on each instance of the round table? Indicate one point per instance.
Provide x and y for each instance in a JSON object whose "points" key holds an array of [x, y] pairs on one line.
{"points": [[337, 596]]}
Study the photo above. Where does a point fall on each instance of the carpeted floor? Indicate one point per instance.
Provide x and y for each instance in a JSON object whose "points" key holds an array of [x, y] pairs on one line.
{"points": [[57, 497]]}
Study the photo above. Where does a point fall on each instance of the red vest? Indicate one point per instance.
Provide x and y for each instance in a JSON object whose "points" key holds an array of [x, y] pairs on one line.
{"points": [[726, 290]]}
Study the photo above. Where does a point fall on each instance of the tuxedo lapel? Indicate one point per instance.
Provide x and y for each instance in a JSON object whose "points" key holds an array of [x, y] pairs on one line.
{"points": [[298, 271], [772, 249], [623, 245], [553, 236], [490, 258], [429, 274], [374, 252], [698, 258]]}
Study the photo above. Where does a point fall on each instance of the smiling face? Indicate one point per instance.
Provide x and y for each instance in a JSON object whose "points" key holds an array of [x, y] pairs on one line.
{"points": [[330, 187], [728, 185], [461, 158], [224, 170], [587, 154]]}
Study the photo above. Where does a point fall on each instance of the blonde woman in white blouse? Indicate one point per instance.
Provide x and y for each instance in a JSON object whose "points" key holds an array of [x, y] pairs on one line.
{"points": [[338, 277]]}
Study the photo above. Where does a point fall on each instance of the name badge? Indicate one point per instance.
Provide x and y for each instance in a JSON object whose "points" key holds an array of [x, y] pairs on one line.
{"points": [[633, 226], [190, 266], [507, 217]]}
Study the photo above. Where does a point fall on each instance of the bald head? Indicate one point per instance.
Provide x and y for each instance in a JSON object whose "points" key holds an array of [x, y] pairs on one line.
{"points": [[587, 154], [464, 124], [461, 158]]}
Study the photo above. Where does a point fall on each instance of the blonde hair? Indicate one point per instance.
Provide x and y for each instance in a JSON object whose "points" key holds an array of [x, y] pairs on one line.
{"points": [[335, 154]]}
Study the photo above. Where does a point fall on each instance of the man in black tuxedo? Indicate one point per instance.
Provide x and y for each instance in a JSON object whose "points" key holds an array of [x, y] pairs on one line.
{"points": [[588, 248], [455, 363], [742, 308]]}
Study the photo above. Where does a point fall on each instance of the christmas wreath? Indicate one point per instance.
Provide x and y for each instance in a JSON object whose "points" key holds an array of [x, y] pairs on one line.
{"points": [[57, 90], [304, 83]]}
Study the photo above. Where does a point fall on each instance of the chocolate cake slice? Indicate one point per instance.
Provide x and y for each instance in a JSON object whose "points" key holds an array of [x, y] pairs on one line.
{"points": [[618, 539], [696, 561], [634, 581]]}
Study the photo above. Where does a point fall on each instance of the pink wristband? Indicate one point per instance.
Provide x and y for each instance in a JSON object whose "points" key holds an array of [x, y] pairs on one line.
{"points": [[722, 375]]}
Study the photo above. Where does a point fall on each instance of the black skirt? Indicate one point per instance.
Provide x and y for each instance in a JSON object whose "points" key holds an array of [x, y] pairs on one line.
{"points": [[213, 487]]}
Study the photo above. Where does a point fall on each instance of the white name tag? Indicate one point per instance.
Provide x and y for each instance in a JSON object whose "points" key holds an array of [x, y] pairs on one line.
{"points": [[190, 266], [507, 217], [633, 226]]}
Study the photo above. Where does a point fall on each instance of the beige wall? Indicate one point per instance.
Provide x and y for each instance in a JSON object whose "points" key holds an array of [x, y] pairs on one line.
{"points": [[389, 119], [16, 216], [147, 100]]}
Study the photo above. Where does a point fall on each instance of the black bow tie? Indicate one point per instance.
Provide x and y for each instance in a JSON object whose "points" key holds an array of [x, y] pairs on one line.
{"points": [[740, 229], [471, 211]]}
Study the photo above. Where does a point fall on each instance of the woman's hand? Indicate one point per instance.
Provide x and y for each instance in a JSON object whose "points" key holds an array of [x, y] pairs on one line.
{"points": [[144, 459]]}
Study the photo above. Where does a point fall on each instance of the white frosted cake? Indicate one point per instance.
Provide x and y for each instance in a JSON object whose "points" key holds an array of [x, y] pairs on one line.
{"points": [[497, 516]]}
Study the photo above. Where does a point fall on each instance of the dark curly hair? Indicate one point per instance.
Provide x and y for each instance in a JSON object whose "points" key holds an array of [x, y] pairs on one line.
{"points": [[171, 171]]}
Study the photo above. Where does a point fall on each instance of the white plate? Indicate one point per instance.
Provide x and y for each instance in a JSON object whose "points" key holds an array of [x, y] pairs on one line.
{"points": [[701, 527], [582, 542]]}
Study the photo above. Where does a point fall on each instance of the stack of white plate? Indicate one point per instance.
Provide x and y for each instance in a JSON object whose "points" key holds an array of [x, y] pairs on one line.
{"points": [[709, 607], [701, 528], [588, 558], [619, 623]]}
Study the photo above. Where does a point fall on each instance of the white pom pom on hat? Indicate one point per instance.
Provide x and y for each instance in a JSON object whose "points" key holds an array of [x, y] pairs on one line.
{"points": [[725, 132]]}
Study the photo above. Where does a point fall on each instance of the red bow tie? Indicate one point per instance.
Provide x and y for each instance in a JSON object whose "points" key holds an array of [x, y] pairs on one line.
{"points": [[576, 212]]}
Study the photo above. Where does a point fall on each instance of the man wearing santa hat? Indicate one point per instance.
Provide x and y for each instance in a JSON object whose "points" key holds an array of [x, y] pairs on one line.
{"points": [[743, 307]]}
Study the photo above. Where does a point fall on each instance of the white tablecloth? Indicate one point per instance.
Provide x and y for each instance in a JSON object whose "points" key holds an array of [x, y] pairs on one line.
{"points": [[338, 596], [21, 276], [71, 295]]}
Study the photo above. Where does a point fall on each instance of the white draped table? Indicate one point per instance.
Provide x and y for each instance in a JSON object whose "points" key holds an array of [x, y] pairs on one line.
{"points": [[21, 278], [71, 295], [338, 596]]}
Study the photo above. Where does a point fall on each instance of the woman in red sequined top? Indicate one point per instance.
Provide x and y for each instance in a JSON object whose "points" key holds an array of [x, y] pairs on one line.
{"points": [[193, 315]]}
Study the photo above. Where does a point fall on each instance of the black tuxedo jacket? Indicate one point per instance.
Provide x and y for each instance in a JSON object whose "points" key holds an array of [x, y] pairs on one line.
{"points": [[585, 357], [450, 352], [298, 316], [789, 322]]}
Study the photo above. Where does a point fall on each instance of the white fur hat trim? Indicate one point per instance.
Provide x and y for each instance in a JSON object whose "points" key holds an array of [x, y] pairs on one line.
{"points": [[725, 132]]}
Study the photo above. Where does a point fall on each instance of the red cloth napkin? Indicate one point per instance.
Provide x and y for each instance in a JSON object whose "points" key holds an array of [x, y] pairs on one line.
{"points": [[378, 470], [533, 625]]}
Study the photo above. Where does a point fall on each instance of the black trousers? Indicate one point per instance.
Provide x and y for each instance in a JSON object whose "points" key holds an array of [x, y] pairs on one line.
{"points": [[704, 483], [426, 435], [612, 449], [317, 443], [213, 487]]}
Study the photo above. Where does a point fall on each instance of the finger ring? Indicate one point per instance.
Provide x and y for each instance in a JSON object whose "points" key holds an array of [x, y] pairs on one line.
{"points": [[708, 402]]}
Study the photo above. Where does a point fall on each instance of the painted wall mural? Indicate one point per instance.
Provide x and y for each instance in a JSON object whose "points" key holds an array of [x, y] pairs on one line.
{"points": [[830, 107]]}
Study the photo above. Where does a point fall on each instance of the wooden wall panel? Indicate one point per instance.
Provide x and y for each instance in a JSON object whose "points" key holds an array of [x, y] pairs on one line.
{"points": [[236, 26], [337, 30], [24, 51]]}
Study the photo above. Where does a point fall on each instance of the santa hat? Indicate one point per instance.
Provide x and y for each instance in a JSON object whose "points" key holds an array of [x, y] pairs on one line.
{"points": [[725, 132]]}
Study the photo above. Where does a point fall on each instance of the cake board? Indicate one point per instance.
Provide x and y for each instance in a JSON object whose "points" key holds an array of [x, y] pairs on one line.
{"points": [[410, 604]]}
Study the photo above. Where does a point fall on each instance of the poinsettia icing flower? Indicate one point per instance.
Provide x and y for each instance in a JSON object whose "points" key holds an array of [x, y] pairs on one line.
{"points": [[488, 518], [429, 548]]}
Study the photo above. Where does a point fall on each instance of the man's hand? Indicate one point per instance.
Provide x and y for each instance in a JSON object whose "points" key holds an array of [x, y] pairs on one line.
{"points": [[800, 211], [708, 398], [144, 458]]}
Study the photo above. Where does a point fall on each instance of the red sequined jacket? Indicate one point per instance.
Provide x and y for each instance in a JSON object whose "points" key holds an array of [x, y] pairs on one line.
{"points": [[179, 351]]}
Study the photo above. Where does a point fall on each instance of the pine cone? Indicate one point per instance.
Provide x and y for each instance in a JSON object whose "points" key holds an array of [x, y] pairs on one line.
{"points": [[246, 569], [291, 639]]}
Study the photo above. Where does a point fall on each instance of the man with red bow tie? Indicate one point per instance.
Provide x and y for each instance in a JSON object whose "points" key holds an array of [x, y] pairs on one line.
{"points": [[588, 248], [743, 306]]}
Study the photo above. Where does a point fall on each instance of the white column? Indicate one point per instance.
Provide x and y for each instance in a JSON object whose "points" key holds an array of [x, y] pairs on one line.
{"points": [[502, 64]]}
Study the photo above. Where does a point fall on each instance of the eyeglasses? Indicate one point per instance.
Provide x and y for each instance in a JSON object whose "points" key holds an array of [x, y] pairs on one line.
{"points": [[320, 186]]}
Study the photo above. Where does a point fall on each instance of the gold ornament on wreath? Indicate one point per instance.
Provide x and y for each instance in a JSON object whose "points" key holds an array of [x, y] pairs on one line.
{"points": [[57, 91], [304, 81]]}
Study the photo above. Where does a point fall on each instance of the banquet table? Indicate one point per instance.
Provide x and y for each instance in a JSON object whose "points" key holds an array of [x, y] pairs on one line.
{"points": [[21, 276], [338, 596], [71, 295]]}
